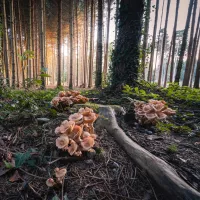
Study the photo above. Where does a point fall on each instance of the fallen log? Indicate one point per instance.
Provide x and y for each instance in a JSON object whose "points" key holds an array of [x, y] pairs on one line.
{"points": [[162, 173]]}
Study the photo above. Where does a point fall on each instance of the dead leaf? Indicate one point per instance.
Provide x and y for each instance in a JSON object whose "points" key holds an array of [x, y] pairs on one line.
{"points": [[15, 177]]}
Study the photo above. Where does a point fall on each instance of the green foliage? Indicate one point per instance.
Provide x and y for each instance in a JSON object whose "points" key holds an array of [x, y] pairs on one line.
{"points": [[172, 148], [8, 165], [22, 158], [169, 127], [28, 54], [138, 93]]}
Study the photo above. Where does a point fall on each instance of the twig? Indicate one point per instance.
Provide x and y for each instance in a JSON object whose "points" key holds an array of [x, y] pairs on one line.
{"points": [[39, 177]]}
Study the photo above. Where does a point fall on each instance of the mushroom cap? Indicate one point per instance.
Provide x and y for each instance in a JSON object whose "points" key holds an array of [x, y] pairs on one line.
{"points": [[50, 182], [147, 108], [67, 126], [60, 172], [68, 94], [78, 153], [61, 94], [62, 141], [91, 118], [76, 117], [169, 111], [85, 111], [87, 143], [158, 107], [151, 116], [72, 148], [75, 93], [57, 130], [76, 133], [161, 115], [55, 101], [66, 100], [85, 134]]}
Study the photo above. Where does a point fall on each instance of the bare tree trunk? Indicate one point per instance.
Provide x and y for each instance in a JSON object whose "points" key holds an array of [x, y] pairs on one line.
{"points": [[98, 81], [42, 43], [194, 60], [158, 43], [146, 34], [6, 52], [184, 43], [164, 41], [77, 34], [197, 76], [91, 44], [86, 44], [105, 69], [71, 46], [153, 43], [167, 67], [174, 41], [189, 54], [12, 42], [59, 41], [116, 20]]}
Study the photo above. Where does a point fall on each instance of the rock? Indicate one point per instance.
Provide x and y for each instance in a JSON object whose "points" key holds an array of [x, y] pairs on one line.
{"points": [[115, 165], [43, 120], [148, 132], [192, 134], [154, 137]]}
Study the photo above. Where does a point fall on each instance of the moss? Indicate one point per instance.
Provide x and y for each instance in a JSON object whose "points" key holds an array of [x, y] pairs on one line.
{"points": [[172, 148]]}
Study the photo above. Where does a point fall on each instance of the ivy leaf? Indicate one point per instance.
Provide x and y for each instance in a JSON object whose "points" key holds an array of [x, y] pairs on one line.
{"points": [[55, 197], [21, 158], [8, 165]]}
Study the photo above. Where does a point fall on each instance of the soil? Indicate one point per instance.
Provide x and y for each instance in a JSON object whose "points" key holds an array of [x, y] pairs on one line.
{"points": [[108, 174], [186, 160]]}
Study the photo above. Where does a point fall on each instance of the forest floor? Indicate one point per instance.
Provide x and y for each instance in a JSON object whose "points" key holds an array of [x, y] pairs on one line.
{"points": [[107, 174]]}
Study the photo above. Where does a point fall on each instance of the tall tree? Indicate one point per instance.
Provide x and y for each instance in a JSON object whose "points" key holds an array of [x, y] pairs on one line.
{"points": [[6, 46], [197, 76], [174, 41], [77, 34], [153, 42], [12, 43], [59, 41], [164, 42], [105, 69], [189, 53], [116, 20], [98, 80], [42, 43], [146, 35], [125, 60], [71, 46], [184, 43], [91, 44]]}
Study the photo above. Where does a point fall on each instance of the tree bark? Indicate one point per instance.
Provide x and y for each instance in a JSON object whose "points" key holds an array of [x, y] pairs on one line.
{"points": [[189, 53], [125, 60], [164, 41], [174, 41], [105, 69], [12, 43], [6, 51], [59, 41], [71, 46], [146, 35], [91, 44], [98, 80], [153, 43], [184, 43]]}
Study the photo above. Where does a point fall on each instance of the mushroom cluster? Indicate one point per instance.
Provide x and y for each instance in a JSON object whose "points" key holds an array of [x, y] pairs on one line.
{"points": [[67, 98], [59, 176], [77, 133], [152, 112]]}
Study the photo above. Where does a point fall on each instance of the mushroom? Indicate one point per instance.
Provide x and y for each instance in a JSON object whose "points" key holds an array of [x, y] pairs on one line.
{"points": [[60, 172], [55, 101], [61, 94], [72, 147], [66, 101], [50, 182], [68, 94], [78, 153], [85, 111], [57, 130], [85, 134], [87, 143], [76, 133], [62, 141], [75, 93], [169, 111], [66, 127], [91, 118], [77, 118]]}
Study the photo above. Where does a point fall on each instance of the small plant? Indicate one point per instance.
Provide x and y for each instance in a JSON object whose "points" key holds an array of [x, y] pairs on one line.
{"points": [[172, 148]]}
